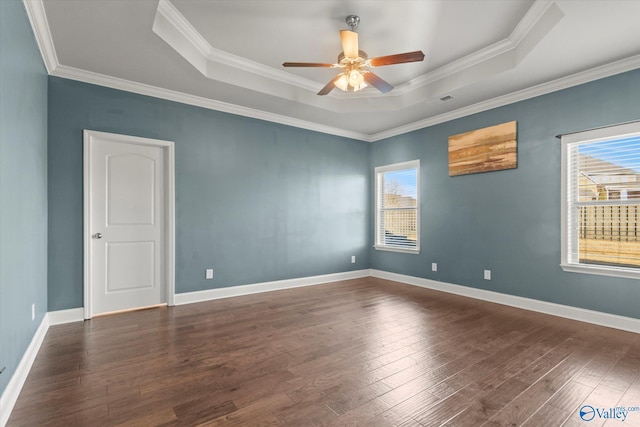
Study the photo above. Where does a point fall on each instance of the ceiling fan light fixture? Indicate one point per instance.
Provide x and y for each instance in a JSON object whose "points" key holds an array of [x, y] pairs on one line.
{"points": [[351, 80], [355, 78], [343, 82]]}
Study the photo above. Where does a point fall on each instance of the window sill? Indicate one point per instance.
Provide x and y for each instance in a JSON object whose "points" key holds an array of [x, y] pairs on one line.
{"points": [[629, 273], [415, 251]]}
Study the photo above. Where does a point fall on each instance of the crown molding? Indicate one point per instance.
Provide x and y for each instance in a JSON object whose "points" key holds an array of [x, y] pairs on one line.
{"points": [[597, 73], [485, 54], [40, 26], [509, 45], [198, 101], [180, 25], [37, 17], [530, 19], [587, 76]]}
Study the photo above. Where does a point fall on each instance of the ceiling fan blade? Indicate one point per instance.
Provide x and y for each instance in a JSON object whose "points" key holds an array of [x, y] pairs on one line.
{"points": [[349, 43], [375, 81], [399, 58], [307, 64], [329, 87]]}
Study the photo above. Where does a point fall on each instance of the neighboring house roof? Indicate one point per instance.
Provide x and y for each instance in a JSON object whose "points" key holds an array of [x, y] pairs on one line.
{"points": [[609, 174]]}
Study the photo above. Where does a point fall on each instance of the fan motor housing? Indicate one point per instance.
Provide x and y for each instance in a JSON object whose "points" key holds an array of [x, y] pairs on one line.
{"points": [[362, 57]]}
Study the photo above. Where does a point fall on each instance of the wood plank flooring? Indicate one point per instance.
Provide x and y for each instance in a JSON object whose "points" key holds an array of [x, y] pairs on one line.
{"points": [[365, 352]]}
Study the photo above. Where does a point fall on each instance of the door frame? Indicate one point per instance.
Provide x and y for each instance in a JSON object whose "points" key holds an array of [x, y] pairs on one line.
{"points": [[169, 211]]}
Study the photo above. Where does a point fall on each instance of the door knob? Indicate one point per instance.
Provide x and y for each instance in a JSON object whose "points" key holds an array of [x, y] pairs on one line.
{"points": [[97, 236]]}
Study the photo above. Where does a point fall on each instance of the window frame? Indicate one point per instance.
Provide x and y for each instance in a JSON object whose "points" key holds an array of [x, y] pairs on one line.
{"points": [[378, 171], [589, 136]]}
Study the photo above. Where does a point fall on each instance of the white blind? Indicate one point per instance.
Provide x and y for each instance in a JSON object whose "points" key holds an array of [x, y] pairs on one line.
{"points": [[397, 206], [604, 202]]}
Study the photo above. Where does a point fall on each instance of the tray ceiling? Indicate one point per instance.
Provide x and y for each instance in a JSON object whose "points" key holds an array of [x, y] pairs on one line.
{"points": [[227, 55]]}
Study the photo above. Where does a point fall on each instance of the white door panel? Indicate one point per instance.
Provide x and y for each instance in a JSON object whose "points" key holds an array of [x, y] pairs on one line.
{"points": [[126, 223], [130, 265], [130, 189]]}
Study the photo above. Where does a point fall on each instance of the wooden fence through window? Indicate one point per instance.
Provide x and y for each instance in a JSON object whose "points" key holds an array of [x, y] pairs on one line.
{"points": [[610, 234], [606, 222]]}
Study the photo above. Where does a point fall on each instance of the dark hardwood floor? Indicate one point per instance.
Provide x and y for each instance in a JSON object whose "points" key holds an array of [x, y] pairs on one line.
{"points": [[364, 352]]}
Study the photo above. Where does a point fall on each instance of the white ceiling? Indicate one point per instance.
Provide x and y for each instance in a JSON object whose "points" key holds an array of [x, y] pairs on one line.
{"points": [[227, 55]]}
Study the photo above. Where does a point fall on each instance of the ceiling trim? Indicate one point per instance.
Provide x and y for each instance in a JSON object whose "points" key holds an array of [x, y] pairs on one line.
{"points": [[526, 25], [40, 25], [169, 24], [198, 101], [587, 76]]}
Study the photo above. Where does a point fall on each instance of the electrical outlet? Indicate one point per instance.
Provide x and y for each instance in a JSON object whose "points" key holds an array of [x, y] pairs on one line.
{"points": [[353, 259], [487, 275], [209, 274], [434, 266], [33, 312]]}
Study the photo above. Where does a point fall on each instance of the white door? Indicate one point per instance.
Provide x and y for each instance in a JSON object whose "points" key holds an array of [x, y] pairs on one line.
{"points": [[126, 233]]}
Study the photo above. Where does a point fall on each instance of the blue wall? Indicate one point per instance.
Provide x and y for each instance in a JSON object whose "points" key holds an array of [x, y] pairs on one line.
{"points": [[23, 186], [255, 201], [509, 221], [249, 195]]}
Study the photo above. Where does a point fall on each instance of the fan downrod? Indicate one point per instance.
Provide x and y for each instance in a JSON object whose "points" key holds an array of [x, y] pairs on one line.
{"points": [[353, 21]]}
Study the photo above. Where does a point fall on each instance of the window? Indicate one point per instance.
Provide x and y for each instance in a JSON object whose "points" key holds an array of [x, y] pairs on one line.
{"points": [[398, 207], [601, 201]]}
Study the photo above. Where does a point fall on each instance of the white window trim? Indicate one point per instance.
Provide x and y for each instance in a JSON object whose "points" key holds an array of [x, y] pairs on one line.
{"points": [[412, 164], [600, 134]]}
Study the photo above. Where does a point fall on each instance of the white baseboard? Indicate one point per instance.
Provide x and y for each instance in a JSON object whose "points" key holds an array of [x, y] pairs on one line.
{"points": [[12, 391], [61, 317], [590, 316], [235, 291]]}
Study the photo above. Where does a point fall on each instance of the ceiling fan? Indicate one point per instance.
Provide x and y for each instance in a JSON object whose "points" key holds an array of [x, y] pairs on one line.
{"points": [[355, 64]]}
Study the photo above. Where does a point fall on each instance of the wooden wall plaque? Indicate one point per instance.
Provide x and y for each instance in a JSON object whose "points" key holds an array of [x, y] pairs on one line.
{"points": [[484, 150]]}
